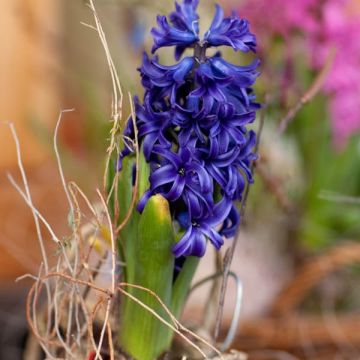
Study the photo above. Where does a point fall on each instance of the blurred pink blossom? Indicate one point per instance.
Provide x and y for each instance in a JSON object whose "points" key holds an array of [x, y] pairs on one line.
{"points": [[278, 16], [325, 25]]}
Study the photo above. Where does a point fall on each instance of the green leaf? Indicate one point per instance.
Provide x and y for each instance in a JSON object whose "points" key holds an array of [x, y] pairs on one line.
{"points": [[128, 235], [182, 285], [143, 336]]}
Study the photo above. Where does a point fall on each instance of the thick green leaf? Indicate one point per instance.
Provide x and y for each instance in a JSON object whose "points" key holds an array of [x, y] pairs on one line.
{"points": [[128, 236], [180, 292], [182, 285], [143, 336]]}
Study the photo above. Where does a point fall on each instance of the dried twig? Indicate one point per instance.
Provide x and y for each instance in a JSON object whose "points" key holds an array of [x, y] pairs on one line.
{"points": [[274, 185], [113, 275], [58, 158], [273, 354], [110, 340], [229, 255], [27, 194], [313, 90], [38, 215], [312, 272], [176, 327], [135, 190], [116, 88]]}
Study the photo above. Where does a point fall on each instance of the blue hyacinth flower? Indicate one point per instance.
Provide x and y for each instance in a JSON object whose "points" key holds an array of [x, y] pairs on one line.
{"points": [[182, 31], [231, 31], [180, 174], [193, 126], [202, 229]]}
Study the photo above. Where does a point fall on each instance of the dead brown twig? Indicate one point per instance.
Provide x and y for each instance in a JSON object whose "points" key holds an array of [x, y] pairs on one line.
{"points": [[274, 185], [229, 255], [136, 185], [313, 90], [312, 272]]}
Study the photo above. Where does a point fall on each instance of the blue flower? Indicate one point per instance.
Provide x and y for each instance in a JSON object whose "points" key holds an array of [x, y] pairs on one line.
{"points": [[234, 173], [193, 126], [192, 121], [180, 174], [229, 128], [152, 126], [231, 222], [224, 171], [210, 86], [200, 230], [244, 75], [183, 30], [164, 80], [185, 16], [230, 31]]}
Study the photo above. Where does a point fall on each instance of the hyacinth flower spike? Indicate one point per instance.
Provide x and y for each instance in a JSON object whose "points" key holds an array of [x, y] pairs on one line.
{"points": [[196, 152]]}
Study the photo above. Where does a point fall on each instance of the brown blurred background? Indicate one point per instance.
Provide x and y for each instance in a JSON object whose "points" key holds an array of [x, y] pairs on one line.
{"points": [[49, 62], [29, 77]]}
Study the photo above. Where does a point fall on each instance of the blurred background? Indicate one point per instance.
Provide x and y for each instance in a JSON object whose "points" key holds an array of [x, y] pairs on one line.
{"points": [[299, 250]]}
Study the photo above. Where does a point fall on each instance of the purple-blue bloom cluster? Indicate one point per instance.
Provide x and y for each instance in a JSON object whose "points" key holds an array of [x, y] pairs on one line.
{"points": [[192, 125]]}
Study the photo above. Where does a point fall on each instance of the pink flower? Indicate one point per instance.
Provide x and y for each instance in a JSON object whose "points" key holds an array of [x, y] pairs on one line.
{"points": [[279, 16], [340, 29], [325, 25]]}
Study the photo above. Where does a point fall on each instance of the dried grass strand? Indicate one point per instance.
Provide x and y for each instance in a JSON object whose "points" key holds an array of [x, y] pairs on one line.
{"points": [[175, 327], [135, 191], [116, 88], [313, 90]]}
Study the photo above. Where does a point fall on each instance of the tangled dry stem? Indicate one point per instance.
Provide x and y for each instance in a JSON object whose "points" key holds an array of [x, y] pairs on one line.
{"points": [[63, 321]]}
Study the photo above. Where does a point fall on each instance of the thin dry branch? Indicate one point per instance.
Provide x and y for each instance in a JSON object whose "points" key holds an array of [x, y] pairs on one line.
{"points": [[275, 187], [113, 276], [313, 90], [28, 198], [58, 158], [116, 88], [112, 238], [345, 254], [110, 340], [104, 328], [75, 223], [177, 327], [135, 191], [166, 323], [229, 255], [27, 194], [37, 213]]}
